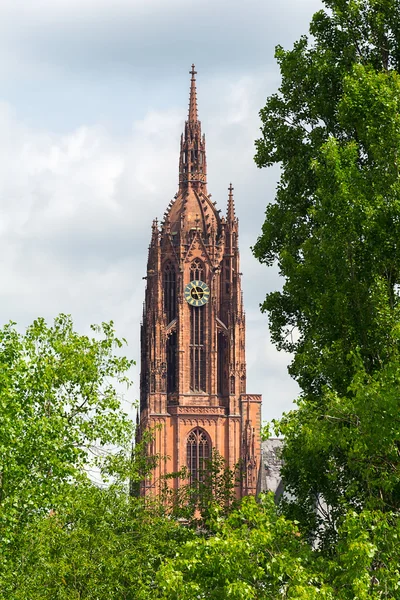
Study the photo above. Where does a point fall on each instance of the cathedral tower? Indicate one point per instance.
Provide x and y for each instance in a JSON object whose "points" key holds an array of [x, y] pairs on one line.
{"points": [[193, 366]]}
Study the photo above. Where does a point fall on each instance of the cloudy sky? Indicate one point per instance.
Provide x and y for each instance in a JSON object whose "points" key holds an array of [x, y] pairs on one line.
{"points": [[93, 99]]}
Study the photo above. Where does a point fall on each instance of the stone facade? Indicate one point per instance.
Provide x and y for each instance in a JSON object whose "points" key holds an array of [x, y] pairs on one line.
{"points": [[193, 365]]}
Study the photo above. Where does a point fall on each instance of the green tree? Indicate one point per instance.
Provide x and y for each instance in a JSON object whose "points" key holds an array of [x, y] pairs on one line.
{"points": [[258, 554], [99, 544], [254, 553], [60, 411], [343, 453], [334, 127], [334, 228]]}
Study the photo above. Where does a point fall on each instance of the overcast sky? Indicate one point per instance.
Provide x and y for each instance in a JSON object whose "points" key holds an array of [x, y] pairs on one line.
{"points": [[93, 99]]}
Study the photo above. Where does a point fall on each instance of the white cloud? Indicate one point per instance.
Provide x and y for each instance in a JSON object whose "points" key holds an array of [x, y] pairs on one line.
{"points": [[76, 202], [76, 207]]}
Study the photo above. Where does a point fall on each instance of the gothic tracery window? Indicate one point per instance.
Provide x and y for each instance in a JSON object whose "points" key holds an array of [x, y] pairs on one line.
{"points": [[221, 357], [169, 285], [171, 363], [197, 349], [198, 450], [196, 270], [170, 308], [197, 335]]}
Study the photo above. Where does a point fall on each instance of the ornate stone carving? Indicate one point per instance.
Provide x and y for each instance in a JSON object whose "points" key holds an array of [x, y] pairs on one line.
{"points": [[198, 410]]}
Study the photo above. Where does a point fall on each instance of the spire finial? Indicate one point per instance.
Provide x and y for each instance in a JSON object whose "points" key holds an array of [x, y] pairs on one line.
{"points": [[230, 214], [192, 97]]}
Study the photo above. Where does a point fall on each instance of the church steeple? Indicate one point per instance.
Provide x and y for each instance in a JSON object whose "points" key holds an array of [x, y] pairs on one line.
{"points": [[193, 97], [193, 375], [192, 161]]}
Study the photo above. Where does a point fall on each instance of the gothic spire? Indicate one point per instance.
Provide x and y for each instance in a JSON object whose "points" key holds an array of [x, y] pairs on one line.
{"points": [[192, 209], [193, 97], [192, 161], [230, 213]]}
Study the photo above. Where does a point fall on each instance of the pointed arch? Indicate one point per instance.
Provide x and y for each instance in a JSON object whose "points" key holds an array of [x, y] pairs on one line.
{"points": [[169, 288], [171, 363], [198, 452], [196, 270], [170, 311], [222, 350], [198, 379]]}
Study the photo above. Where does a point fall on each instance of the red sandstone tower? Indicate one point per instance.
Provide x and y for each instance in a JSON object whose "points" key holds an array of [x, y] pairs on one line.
{"points": [[193, 366]]}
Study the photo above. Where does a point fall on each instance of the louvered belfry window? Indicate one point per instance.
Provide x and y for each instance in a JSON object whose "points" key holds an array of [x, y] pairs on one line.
{"points": [[171, 363], [169, 285], [198, 452], [197, 336], [222, 359]]}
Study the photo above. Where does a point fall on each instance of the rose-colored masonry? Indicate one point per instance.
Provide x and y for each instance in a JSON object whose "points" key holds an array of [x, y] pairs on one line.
{"points": [[192, 228]]}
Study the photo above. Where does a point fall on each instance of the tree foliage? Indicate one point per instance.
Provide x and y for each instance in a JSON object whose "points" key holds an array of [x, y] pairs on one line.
{"points": [[257, 554], [99, 544], [343, 453], [59, 411], [333, 229]]}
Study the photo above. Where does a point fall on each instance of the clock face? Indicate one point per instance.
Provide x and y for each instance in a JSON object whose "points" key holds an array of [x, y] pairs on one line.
{"points": [[197, 293]]}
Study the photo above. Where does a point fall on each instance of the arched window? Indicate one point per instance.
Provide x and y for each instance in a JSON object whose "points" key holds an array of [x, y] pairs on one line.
{"points": [[197, 335], [169, 285], [197, 349], [198, 450], [222, 360], [171, 363], [196, 270]]}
